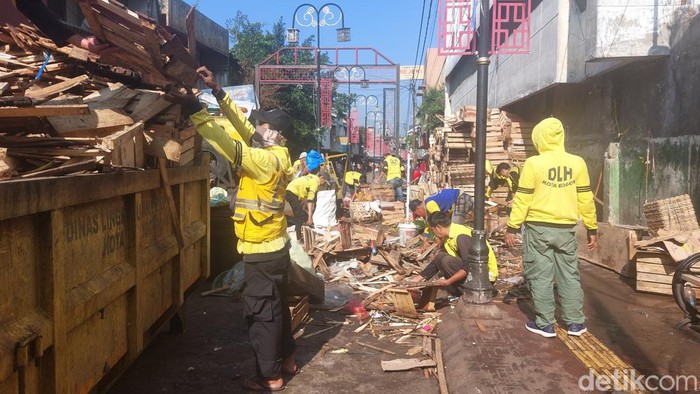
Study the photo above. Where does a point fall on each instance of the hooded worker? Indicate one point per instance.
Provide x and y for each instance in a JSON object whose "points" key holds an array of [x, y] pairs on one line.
{"points": [[259, 222], [554, 192], [300, 165], [303, 189]]}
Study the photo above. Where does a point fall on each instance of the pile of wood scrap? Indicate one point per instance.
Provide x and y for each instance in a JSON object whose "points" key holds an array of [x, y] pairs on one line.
{"points": [[393, 213], [376, 192], [67, 111]]}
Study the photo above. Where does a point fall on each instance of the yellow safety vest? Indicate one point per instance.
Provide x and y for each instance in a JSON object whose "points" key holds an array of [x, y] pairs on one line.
{"points": [[259, 214], [351, 177], [452, 248], [393, 168]]}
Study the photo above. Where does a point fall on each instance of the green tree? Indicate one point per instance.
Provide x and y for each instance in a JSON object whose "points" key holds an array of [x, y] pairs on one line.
{"points": [[433, 104], [251, 44]]}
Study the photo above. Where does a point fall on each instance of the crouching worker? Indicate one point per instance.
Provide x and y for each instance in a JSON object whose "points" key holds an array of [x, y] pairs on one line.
{"points": [[259, 223], [451, 261], [446, 200], [303, 189]]}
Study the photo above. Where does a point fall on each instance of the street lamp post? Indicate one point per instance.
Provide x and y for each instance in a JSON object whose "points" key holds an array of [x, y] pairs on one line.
{"points": [[353, 72], [366, 101], [478, 286], [378, 115], [318, 17]]}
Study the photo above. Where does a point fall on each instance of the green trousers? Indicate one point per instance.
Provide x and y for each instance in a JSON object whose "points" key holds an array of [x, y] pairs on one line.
{"points": [[550, 254]]}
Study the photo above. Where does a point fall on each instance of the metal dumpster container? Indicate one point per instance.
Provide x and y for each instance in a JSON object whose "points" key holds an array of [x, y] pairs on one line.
{"points": [[90, 269]]}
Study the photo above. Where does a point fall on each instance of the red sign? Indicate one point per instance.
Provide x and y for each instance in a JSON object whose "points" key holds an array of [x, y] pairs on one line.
{"points": [[326, 103], [354, 127]]}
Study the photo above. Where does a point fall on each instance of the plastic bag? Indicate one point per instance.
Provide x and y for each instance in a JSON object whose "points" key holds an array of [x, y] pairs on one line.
{"points": [[218, 197], [336, 295], [233, 279], [301, 258]]}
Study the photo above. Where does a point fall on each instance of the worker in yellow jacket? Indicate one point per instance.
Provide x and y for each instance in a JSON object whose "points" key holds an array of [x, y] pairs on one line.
{"points": [[259, 223], [353, 179], [394, 174], [299, 165], [304, 189], [451, 261], [503, 175], [554, 192]]}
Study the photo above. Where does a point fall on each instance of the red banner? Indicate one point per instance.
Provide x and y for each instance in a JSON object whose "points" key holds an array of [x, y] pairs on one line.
{"points": [[354, 127], [326, 102]]}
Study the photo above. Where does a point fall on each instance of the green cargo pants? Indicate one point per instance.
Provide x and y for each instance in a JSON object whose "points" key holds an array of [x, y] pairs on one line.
{"points": [[549, 254]]}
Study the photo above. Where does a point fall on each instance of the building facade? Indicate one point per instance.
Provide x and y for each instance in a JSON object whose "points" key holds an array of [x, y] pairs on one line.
{"points": [[621, 77]]}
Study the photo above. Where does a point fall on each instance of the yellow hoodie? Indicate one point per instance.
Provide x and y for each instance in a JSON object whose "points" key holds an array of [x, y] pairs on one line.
{"points": [[554, 186]]}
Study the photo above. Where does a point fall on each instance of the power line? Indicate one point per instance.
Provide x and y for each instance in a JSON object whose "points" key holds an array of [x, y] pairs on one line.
{"points": [[420, 33]]}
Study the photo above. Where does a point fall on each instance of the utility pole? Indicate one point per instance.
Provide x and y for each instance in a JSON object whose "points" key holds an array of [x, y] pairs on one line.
{"points": [[478, 286]]}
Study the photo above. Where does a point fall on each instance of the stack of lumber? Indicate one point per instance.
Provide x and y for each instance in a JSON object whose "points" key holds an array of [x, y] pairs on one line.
{"points": [[671, 214], [393, 213], [377, 192], [67, 111], [517, 137], [675, 236], [657, 259]]}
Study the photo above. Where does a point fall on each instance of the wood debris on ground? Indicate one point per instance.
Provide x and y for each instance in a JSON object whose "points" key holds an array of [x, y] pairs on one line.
{"points": [[66, 111], [364, 254]]}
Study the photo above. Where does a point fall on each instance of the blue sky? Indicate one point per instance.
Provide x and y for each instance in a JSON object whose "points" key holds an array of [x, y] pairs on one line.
{"points": [[389, 26]]}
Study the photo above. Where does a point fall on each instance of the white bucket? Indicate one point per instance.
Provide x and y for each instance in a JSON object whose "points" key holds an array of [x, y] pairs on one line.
{"points": [[406, 232]]}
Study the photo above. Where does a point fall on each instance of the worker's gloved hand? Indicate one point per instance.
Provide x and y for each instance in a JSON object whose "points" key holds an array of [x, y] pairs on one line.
{"points": [[208, 78]]}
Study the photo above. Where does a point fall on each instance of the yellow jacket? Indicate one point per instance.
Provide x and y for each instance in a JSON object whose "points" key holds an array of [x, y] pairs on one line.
{"points": [[554, 186], [510, 180], [451, 247], [259, 218], [393, 167], [305, 187], [352, 177]]}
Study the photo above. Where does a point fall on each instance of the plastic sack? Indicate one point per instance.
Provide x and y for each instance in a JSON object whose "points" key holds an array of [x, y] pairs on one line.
{"points": [[233, 279], [324, 214], [218, 197], [336, 295], [301, 258]]}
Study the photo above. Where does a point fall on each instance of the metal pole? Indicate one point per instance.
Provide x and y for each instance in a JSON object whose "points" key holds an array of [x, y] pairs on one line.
{"points": [[478, 286], [318, 76]]}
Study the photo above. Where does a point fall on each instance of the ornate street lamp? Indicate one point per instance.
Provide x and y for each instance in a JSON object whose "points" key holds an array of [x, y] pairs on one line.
{"points": [[361, 99], [353, 73], [318, 17], [378, 116]]}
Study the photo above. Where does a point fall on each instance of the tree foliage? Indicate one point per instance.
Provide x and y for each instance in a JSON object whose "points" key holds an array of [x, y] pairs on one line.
{"points": [[433, 104], [251, 44]]}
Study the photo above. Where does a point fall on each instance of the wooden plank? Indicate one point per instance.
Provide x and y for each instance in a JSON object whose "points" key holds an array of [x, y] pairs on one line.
{"points": [[655, 278], [405, 364], [392, 262], [44, 110], [55, 89], [147, 112], [171, 201], [651, 287], [377, 348], [162, 147], [105, 120], [442, 379], [659, 269], [403, 302]]}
